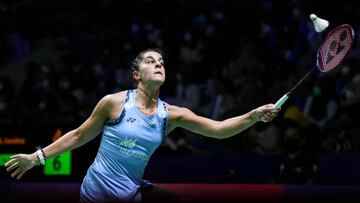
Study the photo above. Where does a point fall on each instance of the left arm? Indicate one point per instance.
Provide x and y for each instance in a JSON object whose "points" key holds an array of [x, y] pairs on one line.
{"points": [[183, 117]]}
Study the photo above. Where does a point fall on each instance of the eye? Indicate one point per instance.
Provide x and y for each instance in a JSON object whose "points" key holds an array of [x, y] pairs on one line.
{"points": [[150, 61]]}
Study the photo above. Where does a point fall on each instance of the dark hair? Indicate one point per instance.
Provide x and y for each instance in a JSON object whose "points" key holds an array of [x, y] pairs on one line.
{"points": [[136, 62]]}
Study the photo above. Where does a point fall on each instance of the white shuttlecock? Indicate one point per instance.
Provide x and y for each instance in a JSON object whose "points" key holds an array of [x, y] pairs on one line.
{"points": [[319, 24]]}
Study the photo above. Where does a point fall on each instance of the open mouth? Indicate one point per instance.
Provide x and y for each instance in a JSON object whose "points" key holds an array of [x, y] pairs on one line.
{"points": [[158, 72]]}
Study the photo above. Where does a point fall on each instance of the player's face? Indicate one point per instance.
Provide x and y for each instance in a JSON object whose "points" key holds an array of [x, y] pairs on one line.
{"points": [[151, 69]]}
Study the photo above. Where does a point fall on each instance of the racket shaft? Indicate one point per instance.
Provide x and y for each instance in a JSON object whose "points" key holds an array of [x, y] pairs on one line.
{"points": [[280, 102]]}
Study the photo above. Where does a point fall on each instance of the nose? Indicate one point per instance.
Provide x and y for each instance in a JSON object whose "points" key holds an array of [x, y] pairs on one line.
{"points": [[158, 65]]}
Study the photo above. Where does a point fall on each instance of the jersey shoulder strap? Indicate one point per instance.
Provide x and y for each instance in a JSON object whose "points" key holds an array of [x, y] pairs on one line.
{"points": [[123, 111], [164, 115]]}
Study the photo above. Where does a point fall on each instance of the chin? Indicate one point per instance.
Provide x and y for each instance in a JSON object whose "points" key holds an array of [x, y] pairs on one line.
{"points": [[157, 82]]}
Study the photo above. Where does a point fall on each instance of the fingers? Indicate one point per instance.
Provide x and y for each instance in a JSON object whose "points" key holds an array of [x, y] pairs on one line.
{"points": [[21, 174], [268, 116], [18, 170], [271, 107], [14, 156], [9, 162], [13, 159], [16, 164], [266, 119], [276, 110]]}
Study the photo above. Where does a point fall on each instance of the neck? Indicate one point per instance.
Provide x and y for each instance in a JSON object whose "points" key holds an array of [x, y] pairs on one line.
{"points": [[147, 96]]}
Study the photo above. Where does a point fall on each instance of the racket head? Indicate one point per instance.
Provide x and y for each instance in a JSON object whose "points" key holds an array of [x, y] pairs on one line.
{"points": [[335, 47]]}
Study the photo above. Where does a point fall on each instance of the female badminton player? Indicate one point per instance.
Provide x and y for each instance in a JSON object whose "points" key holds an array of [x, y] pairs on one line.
{"points": [[134, 123]]}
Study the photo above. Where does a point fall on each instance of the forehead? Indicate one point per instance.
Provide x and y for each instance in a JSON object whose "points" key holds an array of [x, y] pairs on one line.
{"points": [[152, 54]]}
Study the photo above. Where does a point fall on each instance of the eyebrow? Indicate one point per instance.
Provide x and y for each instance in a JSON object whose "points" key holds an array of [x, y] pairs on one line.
{"points": [[154, 58]]}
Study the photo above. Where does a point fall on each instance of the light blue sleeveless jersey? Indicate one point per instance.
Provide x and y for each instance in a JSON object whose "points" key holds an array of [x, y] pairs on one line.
{"points": [[125, 149]]}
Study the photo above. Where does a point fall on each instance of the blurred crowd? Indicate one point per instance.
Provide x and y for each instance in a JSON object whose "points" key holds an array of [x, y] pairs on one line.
{"points": [[222, 59]]}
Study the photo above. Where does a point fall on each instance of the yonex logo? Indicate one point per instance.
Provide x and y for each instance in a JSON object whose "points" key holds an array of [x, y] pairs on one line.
{"points": [[128, 143], [131, 120], [337, 45]]}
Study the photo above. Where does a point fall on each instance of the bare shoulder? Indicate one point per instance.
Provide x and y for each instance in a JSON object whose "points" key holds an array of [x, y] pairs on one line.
{"points": [[112, 104], [176, 113], [114, 99]]}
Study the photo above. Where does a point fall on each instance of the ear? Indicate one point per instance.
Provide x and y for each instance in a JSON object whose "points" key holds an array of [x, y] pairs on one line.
{"points": [[136, 75]]}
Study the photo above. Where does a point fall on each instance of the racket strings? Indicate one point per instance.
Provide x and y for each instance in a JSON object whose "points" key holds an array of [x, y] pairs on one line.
{"points": [[335, 47]]}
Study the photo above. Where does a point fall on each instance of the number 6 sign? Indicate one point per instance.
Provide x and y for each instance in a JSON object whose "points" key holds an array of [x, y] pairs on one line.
{"points": [[58, 165]]}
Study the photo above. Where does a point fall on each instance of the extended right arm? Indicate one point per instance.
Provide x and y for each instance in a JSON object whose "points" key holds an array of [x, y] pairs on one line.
{"points": [[71, 140], [83, 134]]}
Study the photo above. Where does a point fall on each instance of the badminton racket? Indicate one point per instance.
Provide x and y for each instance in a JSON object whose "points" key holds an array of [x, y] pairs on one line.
{"points": [[330, 54]]}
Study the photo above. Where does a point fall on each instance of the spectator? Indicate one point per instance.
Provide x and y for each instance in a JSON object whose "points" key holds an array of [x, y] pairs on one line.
{"points": [[296, 165]]}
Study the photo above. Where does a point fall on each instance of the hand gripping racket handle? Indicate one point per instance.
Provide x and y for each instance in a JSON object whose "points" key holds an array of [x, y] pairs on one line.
{"points": [[280, 102]]}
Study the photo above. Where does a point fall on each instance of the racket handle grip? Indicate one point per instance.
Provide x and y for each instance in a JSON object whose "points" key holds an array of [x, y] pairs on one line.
{"points": [[280, 102]]}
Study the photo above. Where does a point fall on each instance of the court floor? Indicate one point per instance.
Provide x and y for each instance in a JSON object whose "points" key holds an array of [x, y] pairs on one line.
{"points": [[69, 192]]}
